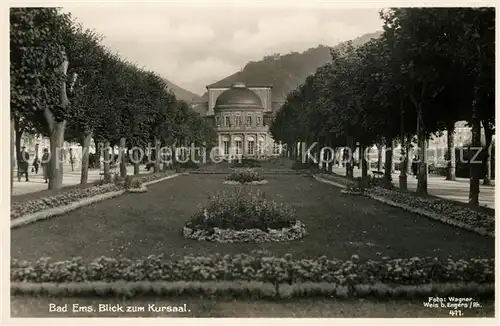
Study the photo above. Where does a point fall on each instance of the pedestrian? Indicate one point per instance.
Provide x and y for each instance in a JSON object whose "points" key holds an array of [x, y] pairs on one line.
{"points": [[23, 164], [36, 164], [414, 166], [45, 164]]}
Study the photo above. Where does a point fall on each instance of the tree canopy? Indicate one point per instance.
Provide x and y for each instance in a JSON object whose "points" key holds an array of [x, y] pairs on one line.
{"points": [[66, 85]]}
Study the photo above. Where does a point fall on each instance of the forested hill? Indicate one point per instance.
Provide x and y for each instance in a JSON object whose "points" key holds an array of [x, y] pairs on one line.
{"points": [[286, 72], [181, 93]]}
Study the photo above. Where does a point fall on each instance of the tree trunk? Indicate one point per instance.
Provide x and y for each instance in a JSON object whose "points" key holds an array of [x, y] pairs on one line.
{"points": [[422, 149], [18, 134], [363, 161], [106, 159], [98, 153], [349, 157], [135, 155], [56, 155], [71, 159], [403, 176], [12, 151], [174, 156], [122, 159], [474, 167], [56, 131], [450, 173], [84, 176], [388, 161], [157, 155], [379, 157], [489, 146], [393, 152], [317, 153], [409, 153]]}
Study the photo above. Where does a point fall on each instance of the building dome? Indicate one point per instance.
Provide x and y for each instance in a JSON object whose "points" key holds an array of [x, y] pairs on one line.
{"points": [[238, 95]]}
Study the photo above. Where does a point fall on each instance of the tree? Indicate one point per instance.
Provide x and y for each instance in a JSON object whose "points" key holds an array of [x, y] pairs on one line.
{"points": [[87, 91], [39, 64]]}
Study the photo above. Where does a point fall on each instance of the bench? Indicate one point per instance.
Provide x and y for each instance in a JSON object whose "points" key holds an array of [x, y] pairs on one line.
{"points": [[378, 174]]}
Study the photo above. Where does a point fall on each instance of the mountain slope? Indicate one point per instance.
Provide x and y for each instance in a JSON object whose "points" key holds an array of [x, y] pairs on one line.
{"points": [[285, 72], [181, 93]]}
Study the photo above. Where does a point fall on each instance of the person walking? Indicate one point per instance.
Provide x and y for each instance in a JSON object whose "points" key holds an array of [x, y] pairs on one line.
{"points": [[45, 164], [36, 164], [23, 164], [414, 166]]}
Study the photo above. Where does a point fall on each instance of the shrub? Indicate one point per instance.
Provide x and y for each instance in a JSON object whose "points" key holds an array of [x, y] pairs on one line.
{"points": [[128, 182], [107, 178], [247, 163], [245, 176], [241, 210], [369, 182], [117, 179], [259, 267]]}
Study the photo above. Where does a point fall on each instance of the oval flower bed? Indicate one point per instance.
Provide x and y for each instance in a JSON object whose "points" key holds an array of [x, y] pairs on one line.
{"points": [[244, 217], [245, 176]]}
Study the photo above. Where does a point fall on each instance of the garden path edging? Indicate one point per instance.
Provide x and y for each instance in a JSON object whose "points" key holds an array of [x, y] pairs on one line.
{"points": [[329, 182], [418, 211], [55, 211]]}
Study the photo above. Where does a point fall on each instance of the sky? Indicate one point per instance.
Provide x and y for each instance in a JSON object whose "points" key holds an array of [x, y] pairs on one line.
{"points": [[195, 45]]}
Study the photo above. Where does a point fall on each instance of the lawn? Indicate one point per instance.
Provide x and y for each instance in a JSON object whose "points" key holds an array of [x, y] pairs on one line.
{"points": [[326, 308], [137, 225]]}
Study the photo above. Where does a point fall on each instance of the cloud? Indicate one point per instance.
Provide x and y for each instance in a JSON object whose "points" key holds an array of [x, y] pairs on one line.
{"points": [[198, 72], [296, 32], [194, 46]]}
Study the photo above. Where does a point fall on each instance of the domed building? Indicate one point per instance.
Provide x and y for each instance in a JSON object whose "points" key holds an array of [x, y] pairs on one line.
{"points": [[241, 115]]}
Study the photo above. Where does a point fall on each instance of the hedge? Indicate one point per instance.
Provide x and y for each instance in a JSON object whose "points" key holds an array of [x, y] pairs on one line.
{"points": [[258, 267]]}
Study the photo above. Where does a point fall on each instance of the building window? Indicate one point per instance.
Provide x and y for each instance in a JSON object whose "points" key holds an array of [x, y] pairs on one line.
{"points": [[259, 120], [249, 121], [217, 121], [227, 121], [226, 147], [239, 147], [238, 121], [251, 147]]}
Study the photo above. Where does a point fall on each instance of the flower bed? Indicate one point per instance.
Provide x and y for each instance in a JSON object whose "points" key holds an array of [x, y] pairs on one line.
{"points": [[443, 207], [440, 209], [231, 182], [258, 267], [294, 232], [241, 216], [245, 176], [19, 209]]}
